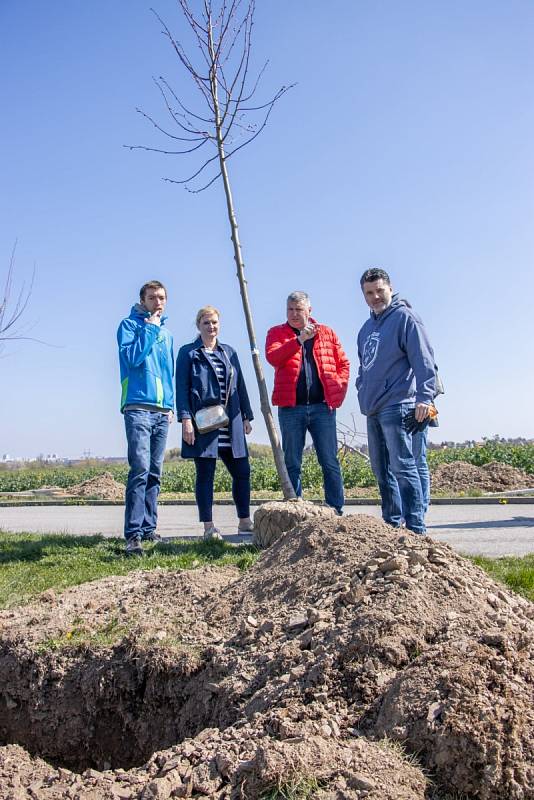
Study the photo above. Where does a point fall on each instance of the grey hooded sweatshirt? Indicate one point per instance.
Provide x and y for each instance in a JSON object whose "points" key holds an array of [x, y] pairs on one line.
{"points": [[396, 360]]}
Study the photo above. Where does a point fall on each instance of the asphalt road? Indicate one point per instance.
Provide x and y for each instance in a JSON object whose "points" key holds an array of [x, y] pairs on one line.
{"points": [[491, 530]]}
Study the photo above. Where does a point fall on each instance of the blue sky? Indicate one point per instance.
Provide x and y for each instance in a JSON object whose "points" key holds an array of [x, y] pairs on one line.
{"points": [[407, 143]]}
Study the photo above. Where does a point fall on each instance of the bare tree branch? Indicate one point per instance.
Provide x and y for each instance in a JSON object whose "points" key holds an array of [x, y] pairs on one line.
{"points": [[165, 152], [10, 317], [13, 309], [222, 31], [198, 172], [162, 130], [201, 81], [187, 111]]}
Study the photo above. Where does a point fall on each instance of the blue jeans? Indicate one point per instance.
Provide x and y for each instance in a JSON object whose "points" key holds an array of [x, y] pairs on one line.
{"points": [[393, 463], [146, 432], [239, 469], [320, 421], [419, 453]]}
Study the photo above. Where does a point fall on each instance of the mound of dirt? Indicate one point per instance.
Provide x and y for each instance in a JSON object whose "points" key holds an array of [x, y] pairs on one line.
{"points": [[273, 519], [101, 487], [309, 673], [459, 476]]}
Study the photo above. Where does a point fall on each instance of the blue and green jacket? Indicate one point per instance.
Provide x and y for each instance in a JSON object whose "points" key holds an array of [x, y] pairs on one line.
{"points": [[146, 360]]}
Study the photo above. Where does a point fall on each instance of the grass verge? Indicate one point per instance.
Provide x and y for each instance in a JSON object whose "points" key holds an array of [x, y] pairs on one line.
{"points": [[31, 563], [516, 573]]}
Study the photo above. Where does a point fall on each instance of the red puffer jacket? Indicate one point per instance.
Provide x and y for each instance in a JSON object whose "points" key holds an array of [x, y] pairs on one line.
{"points": [[284, 352]]}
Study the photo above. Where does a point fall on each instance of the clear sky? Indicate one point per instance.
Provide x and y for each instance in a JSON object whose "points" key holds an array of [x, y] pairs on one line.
{"points": [[408, 143]]}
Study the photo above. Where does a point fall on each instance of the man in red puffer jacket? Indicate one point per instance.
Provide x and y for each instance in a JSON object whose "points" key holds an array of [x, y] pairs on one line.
{"points": [[311, 375]]}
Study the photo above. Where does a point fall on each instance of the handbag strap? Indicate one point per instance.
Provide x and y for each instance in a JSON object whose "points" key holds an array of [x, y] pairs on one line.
{"points": [[229, 371], [230, 377]]}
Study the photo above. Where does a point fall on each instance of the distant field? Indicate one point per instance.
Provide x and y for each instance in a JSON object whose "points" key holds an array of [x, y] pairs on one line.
{"points": [[179, 476]]}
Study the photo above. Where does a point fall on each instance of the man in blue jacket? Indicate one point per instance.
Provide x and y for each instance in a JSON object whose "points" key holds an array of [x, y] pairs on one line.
{"points": [[397, 377], [147, 369]]}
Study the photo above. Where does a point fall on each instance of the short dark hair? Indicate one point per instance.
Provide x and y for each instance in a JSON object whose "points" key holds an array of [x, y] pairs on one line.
{"points": [[374, 274], [150, 285]]}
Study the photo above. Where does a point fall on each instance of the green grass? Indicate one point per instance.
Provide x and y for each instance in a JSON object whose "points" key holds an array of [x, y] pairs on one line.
{"points": [[31, 563], [105, 635], [294, 787], [516, 573]]}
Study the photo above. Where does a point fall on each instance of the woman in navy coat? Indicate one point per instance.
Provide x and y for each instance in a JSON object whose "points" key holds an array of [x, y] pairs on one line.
{"points": [[208, 373]]}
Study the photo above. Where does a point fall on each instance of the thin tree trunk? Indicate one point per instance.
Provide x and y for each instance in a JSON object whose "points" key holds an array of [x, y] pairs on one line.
{"points": [[287, 486]]}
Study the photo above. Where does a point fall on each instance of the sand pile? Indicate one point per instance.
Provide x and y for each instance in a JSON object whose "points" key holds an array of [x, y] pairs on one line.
{"points": [[303, 673], [101, 487], [458, 476]]}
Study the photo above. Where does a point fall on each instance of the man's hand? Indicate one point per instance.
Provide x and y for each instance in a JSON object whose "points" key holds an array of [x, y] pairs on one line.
{"points": [[247, 427], [307, 333], [418, 418], [154, 319], [188, 432], [422, 411], [171, 417]]}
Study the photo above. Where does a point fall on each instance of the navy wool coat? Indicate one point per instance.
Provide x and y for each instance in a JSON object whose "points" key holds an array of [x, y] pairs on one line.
{"points": [[197, 387]]}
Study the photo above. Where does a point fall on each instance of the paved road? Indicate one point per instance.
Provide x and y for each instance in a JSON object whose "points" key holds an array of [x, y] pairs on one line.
{"points": [[492, 530]]}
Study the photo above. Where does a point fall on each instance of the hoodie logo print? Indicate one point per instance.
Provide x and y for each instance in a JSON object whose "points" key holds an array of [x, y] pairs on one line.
{"points": [[370, 350]]}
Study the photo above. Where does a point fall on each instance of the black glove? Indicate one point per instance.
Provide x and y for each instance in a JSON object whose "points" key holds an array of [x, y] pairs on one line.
{"points": [[411, 424]]}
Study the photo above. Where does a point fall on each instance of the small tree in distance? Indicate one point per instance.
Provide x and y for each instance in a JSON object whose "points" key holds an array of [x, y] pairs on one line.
{"points": [[227, 120], [12, 307]]}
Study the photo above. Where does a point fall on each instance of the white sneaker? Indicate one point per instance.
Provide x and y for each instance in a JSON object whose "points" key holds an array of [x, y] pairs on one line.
{"points": [[212, 534], [245, 527]]}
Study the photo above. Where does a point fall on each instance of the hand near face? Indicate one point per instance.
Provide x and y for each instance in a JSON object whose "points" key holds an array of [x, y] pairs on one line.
{"points": [[154, 302], [307, 333], [155, 318], [188, 432]]}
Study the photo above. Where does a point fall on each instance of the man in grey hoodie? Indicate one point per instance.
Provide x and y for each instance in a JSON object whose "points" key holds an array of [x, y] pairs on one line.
{"points": [[397, 376]]}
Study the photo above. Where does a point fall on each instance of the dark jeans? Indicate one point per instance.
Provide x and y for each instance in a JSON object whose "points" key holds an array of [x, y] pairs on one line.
{"points": [[239, 469], [393, 463], [146, 432], [320, 421]]}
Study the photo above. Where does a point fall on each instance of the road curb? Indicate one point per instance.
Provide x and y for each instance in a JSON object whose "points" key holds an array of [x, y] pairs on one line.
{"points": [[354, 501]]}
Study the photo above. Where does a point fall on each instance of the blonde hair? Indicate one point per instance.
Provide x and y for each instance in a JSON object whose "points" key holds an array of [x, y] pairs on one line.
{"points": [[206, 310]]}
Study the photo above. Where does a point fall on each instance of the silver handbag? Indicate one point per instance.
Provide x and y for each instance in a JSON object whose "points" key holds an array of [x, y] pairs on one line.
{"points": [[210, 418], [213, 417]]}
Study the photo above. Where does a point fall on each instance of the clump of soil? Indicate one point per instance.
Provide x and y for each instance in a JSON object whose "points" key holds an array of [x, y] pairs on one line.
{"points": [[345, 641], [102, 487], [459, 476], [271, 520]]}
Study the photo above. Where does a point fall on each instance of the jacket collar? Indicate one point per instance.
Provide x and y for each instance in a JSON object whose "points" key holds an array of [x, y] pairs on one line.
{"points": [[198, 344]]}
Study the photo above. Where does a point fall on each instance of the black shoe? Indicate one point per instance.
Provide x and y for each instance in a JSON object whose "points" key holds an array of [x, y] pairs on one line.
{"points": [[339, 512], [134, 546], [151, 536]]}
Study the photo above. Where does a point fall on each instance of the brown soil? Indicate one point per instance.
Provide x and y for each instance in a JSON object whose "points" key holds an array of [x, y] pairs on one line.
{"points": [[344, 639], [101, 487], [458, 476]]}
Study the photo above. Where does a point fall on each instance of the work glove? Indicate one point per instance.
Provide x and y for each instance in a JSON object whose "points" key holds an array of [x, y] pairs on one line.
{"points": [[411, 424]]}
